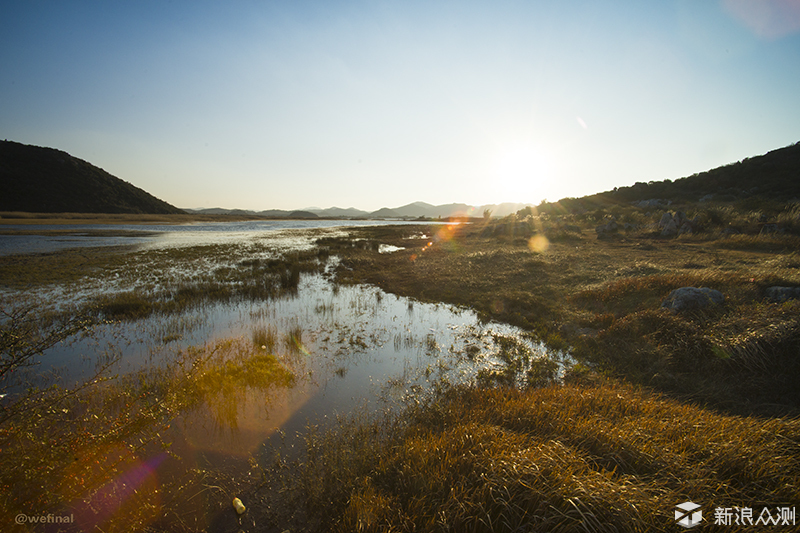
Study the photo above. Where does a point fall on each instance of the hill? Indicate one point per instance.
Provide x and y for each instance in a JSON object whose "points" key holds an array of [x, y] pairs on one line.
{"points": [[774, 176], [45, 180]]}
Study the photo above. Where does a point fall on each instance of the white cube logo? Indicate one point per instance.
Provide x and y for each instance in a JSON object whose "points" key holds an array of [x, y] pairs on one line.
{"points": [[688, 514]]}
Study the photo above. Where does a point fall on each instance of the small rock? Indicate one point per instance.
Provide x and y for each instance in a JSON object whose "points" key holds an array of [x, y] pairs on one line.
{"points": [[239, 506], [687, 298], [630, 227]]}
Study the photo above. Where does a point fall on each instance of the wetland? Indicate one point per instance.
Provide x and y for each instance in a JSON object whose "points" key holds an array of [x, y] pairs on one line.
{"points": [[488, 376]]}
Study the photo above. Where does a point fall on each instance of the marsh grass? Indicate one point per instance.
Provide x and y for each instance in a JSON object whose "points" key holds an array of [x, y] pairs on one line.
{"points": [[229, 370], [126, 284], [265, 338], [600, 300], [761, 243], [607, 457], [519, 366], [293, 340]]}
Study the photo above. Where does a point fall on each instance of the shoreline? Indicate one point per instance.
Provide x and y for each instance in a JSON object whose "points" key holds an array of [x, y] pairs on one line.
{"points": [[9, 218], [25, 218]]}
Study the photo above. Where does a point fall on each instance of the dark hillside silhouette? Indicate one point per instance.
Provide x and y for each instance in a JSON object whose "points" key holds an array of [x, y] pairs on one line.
{"points": [[774, 176], [45, 180]]}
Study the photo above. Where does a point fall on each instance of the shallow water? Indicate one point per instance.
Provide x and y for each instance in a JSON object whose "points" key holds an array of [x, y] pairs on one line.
{"points": [[358, 343], [154, 236]]}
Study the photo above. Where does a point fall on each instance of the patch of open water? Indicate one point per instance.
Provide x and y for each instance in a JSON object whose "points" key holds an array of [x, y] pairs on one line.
{"points": [[155, 236]]}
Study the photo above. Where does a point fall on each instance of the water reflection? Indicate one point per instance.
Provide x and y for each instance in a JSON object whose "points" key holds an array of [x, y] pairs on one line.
{"points": [[249, 370], [343, 343]]}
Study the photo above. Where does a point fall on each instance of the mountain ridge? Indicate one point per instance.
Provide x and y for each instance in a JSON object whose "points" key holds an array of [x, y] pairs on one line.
{"points": [[36, 179], [408, 211]]}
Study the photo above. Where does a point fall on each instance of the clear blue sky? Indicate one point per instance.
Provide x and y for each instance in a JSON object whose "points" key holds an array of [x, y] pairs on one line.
{"points": [[263, 105]]}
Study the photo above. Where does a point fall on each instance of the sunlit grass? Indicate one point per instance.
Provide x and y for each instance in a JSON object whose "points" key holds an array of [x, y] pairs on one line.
{"points": [[231, 369], [608, 457]]}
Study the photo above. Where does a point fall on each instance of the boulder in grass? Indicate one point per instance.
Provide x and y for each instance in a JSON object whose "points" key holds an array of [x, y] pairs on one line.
{"points": [[688, 298], [610, 227], [768, 229], [670, 229], [781, 294]]}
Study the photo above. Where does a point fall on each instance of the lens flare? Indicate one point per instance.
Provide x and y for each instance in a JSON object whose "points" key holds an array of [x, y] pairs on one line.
{"points": [[127, 495], [498, 306], [538, 244], [299, 346]]}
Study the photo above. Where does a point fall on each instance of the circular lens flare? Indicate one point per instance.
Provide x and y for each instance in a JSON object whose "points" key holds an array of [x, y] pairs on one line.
{"points": [[538, 244]]}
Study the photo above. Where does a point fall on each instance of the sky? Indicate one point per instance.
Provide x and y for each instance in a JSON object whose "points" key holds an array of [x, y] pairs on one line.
{"points": [[286, 105]]}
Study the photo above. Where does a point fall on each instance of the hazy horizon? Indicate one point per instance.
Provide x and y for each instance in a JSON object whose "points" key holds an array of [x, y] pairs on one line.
{"points": [[325, 208], [370, 105]]}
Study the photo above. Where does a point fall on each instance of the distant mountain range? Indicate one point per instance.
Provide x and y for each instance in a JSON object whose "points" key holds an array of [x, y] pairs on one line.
{"points": [[409, 211], [45, 180]]}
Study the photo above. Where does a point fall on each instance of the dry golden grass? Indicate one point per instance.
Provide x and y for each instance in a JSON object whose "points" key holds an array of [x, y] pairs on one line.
{"points": [[604, 457]]}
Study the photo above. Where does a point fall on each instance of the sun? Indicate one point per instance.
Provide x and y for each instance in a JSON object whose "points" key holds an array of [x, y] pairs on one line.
{"points": [[521, 172]]}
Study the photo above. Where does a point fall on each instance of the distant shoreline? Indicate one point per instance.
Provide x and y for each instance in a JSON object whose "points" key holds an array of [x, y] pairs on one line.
{"points": [[18, 217], [24, 218]]}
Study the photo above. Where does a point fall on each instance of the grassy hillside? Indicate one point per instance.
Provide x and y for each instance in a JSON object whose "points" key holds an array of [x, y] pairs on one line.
{"points": [[772, 177], [45, 180]]}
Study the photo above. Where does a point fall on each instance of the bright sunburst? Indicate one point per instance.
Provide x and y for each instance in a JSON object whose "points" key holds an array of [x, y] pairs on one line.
{"points": [[521, 172]]}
